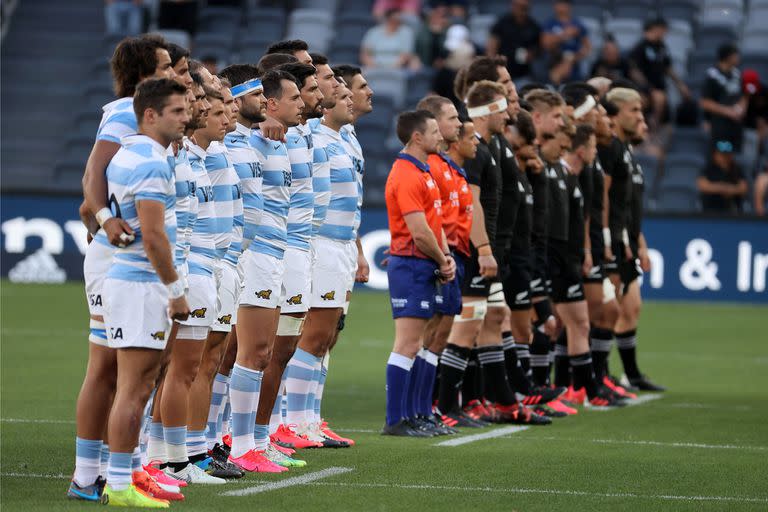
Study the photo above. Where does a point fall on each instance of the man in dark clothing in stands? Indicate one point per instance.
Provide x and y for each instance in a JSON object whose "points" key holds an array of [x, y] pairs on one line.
{"points": [[722, 98], [721, 182], [516, 36]]}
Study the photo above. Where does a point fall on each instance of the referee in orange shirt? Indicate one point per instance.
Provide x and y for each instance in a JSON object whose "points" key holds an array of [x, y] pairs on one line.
{"points": [[419, 259]]}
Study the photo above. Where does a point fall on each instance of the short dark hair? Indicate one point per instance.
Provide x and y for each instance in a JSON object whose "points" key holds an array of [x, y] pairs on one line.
{"points": [[581, 136], [525, 127], [412, 121], [272, 60], [725, 50], [347, 72], [272, 82], [462, 129], [197, 78], [483, 68], [177, 52], [154, 94], [433, 103], [211, 93], [318, 59], [299, 71], [624, 83], [239, 73], [531, 86], [134, 58], [195, 65], [574, 96], [652, 23], [289, 46], [610, 107]]}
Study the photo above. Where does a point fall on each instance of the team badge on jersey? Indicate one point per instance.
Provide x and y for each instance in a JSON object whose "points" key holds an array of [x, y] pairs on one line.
{"points": [[295, 300], [264, 294], [159, 335], [329, 296], [226, 319], [198, 313]]}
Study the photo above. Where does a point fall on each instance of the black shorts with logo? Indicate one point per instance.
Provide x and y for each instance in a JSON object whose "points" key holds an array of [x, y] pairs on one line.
{"points": [[598, 272], [565, 272], [474, 285], [538, 270], [517, 284]]}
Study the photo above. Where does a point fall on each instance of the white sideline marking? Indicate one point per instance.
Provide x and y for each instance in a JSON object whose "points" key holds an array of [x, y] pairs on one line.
{"points": [[358, 430], [26, 420], [290, 482], [671, 444], [635, 401], [480, 437], [565, 492], [693, 405]]}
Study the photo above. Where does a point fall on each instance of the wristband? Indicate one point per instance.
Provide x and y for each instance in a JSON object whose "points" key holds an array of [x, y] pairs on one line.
{"points": [[103, 216], [176, 289], [607, 237]]}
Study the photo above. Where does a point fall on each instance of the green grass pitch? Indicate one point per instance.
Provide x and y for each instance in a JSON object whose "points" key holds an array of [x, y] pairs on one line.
{"points": [[702, 446]]}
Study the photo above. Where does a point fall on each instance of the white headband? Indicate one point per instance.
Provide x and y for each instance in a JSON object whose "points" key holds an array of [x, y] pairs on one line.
{"points": [[585, 107], [497, 106]]}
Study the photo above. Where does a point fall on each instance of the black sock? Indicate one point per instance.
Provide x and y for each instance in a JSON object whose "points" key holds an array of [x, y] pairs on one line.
{"points": [[518, 381], [600, 341], [524, 356], [539, 357], [178, 466], [197, 458], [627, 344], [562, 363], [469, 387], [453, 364], [583, 375], [496, 386]]}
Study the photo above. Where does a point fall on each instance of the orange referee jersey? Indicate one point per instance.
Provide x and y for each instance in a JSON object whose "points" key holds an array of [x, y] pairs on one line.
{"points": [[410, 188], [456, 198]]}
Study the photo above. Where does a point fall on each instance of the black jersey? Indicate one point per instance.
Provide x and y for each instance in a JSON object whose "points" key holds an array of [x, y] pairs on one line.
{"points": [[511, 198], [617, 163], [484, 172], [635, 213], [520, 247], [592, 184], [576, 217], [557, 219], [540, 190]]}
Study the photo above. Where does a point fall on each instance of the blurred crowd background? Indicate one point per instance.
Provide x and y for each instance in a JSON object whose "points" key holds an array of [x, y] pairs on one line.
{"points": [[701, 66]]}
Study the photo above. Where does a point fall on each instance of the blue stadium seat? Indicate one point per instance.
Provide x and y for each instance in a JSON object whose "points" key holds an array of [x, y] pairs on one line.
{"points": [[711, 35], [495, 7], [417, 86], [317, 4], [253, 46], [480, 27], [650, 167], [315, 26], [358, 6], [353, 26], [590, 9], [698, 64], [637, 9], [682, 170], [344, 53], [266, 23], [218, 44], [675, 199], [755, 41], [220, 19], [540, 10], [179, 37], [626, 31], [685, 10], [756, 61], [388, 82], [688, 141]]}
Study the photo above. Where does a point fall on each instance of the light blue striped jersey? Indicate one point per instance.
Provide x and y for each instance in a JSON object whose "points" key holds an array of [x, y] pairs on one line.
{"points": [[248, 210], [321, 178], [202, 249], [117, 121], [342, 216], [226, 191], [186, 201], [352, 145], [271, 234], [300, 154], [139, 172]]}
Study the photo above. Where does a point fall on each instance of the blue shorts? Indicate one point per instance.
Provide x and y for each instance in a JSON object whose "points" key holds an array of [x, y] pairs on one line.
{"points": [[448, 297], [412, 286]]}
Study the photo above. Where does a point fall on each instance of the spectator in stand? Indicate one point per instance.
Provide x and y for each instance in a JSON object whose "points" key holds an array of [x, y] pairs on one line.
{"points": [[560, 69], [566, 34], [431, 36], [760, 200], [516, 36], [389, 44], [458, 51], [611, 64], [178, 15], [721, 183], [382, 7], [757, 107], [722, 98], [123, 17], [650, 65]]}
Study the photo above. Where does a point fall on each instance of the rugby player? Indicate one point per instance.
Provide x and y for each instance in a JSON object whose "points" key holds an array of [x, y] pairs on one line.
{"points": [[294, 47], [142, 275], [419, 256], [134, 60]]}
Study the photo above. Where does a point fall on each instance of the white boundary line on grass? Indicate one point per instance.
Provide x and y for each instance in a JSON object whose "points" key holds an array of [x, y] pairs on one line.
{"points": [[26, 420], [290, 482], [671, 444], [499, 432]]}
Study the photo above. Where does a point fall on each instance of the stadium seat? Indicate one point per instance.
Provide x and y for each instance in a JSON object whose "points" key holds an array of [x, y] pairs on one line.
{"points": [[495, 7], [684, 10], [756, 61], [388, 82], [675, 199], [479, 28], [356, 6], [217, 44], [417, 86], [650, 167], [315, 26], [344, 53], [353, 26], [219, 19], [679, 45], [637, 9], [688, 141], [540, 10], [713, 34], [725, 17], [682, 170], [317, 4], [267, 23], [755, 42], [698, 64], [590, 9], [179, 37], [253, 46], [733, 5], [626, 31]]}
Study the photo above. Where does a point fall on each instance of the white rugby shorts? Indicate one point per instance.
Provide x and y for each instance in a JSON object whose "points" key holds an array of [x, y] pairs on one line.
{"points": [[331, 272], [136, 314], [98, 259], [297, 281], [262, 280], [228, 293], [201, 298]]}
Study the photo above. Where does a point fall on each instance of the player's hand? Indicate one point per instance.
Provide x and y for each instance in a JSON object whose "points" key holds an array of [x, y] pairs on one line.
{"points": [[448, 270], [608, 253], [178, 309], [89, 220], [273, 130], [645, 261], [535, 165], [628, 253], [488, 266], [119, 233], [587, 265], [363, 269]]}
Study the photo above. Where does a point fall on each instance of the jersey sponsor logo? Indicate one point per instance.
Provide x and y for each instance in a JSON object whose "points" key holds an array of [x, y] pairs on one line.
{"points": [[159, 335], [438, 299], [287, 178], [95, 299], [225, 320], [594, 271], [521, 297], [447, 176], [477, 282], [198, 313], [430, 183], [509, 153], [264, 294], [295, 300], [116, 333], [574, 291], [398, 303], [424, 304], [329, 295]]}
